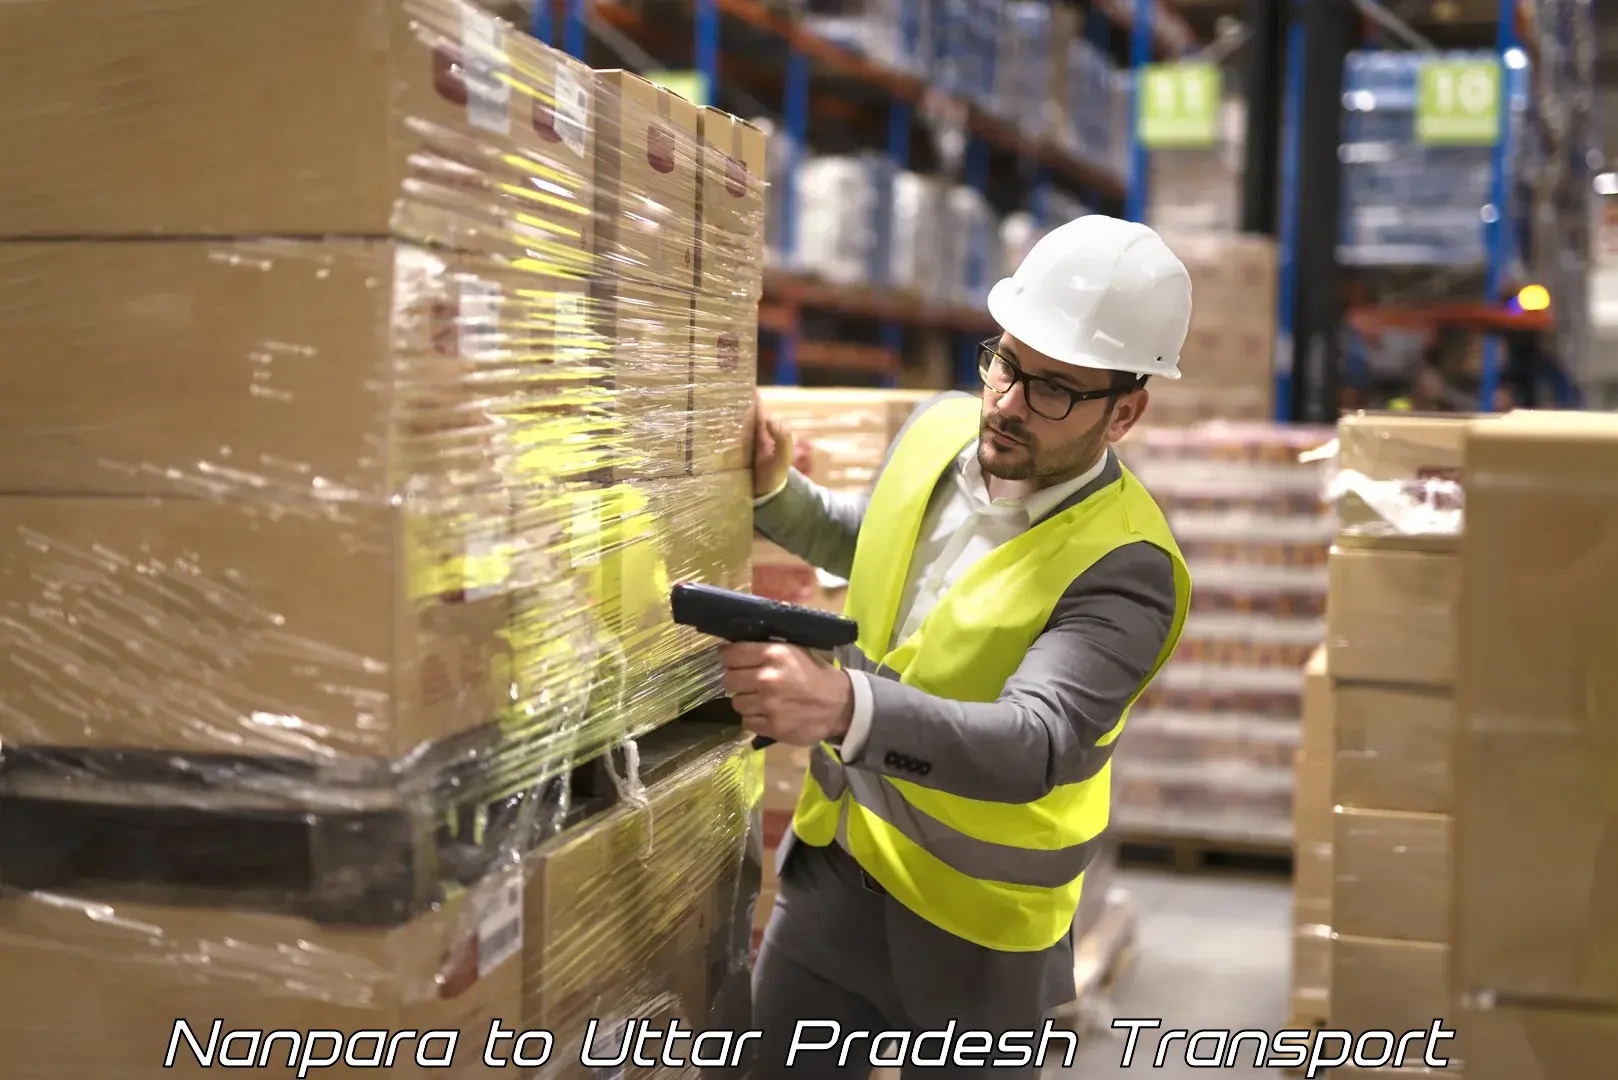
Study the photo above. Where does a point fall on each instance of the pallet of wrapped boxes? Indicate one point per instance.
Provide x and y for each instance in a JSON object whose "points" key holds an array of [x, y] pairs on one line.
{"points": [[1206, 761], [351, 456]]}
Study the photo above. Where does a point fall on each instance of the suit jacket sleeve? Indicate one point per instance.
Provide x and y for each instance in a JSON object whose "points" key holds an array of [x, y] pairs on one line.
{"points": [[1044, 729], [819, 526]]}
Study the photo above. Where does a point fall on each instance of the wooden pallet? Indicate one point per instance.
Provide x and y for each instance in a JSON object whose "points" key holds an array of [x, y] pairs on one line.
{"points": [[1192, 854], [374, 852]]}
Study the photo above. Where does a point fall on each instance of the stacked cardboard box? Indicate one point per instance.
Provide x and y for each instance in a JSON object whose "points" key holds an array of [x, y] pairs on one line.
{"points": [[1208, 753], [348, 458], [1312, 852], [1391, 644], [1229, 356], [1536, 868]]}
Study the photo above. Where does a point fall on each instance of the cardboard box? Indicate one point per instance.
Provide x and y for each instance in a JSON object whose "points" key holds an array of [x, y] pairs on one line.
{"points": [[1402, 446], [282, 372], [1311, 975], [646, 185], [208, 627], [1414, 463], [730, 193], [1389, 985], [1391, 875], [653, 377], [725, 362], [1223, 354], [1539, 1044], [109, 976], [1312, 802], [1312, 883], [627, 912], [1539, 711], [1391, 611], [298, 118], [1234, 276], [1395, 748]]}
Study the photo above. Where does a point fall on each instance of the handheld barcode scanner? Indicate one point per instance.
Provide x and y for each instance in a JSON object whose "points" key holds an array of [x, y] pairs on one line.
{"points": [[735, 616]]}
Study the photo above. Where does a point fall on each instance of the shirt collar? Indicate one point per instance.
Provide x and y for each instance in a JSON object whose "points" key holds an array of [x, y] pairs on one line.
{"points": [[1039, 504]]}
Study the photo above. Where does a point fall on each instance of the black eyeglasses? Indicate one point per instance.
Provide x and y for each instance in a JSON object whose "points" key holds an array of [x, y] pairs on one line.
{"points": [[1050, 400]]}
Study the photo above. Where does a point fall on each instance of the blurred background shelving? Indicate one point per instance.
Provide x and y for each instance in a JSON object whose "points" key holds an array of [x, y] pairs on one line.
{"points": [[1382, 205]]}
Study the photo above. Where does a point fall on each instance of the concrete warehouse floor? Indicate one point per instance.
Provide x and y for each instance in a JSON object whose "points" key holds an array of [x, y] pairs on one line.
{"points": [[1211, 952]]}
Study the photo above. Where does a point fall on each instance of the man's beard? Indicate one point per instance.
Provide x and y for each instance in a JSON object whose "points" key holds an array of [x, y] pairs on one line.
{"points": [[1027, 462]]}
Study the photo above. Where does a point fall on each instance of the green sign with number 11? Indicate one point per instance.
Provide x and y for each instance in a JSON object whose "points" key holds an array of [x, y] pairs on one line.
{"points": [[1179, 106], [1458, 103]]}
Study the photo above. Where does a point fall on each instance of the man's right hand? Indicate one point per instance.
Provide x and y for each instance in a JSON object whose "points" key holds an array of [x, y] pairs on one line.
{"points": [[772, 451]]}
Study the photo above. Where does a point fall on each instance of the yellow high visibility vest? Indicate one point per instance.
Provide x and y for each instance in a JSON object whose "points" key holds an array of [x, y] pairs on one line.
{"points": [[1004, 876]]}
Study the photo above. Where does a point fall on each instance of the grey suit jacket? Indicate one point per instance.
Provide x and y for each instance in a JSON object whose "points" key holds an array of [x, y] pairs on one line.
{"points": [[1101, 641]]}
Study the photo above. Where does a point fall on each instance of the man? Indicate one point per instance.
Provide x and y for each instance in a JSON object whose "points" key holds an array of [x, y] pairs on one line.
{"points": [[1016, 589]]}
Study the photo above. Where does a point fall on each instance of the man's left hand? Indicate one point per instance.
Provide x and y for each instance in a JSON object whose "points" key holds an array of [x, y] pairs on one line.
{"points": [[788, 694]]}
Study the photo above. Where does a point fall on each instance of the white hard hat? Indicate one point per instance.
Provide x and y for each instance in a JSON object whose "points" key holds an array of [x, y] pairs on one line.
{"points": [[1099, 292]]}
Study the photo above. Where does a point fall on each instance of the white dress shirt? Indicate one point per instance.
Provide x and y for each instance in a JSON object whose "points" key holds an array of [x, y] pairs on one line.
{"points": [[962, 525]]}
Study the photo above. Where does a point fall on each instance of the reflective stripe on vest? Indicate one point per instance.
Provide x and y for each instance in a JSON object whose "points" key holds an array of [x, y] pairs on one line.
{"points": [[1005, 876]]}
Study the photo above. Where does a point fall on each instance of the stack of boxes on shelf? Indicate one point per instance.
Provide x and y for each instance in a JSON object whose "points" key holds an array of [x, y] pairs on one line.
{"points": [[1208, 753], [1395, 581], [1199, 189], [862, 222], [1229, 356], [1464, 695], [1407, 201], [351, 457]]}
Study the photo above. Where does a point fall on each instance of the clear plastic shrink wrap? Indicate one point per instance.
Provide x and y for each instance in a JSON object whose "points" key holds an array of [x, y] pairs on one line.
{"points": [[375, 370]]}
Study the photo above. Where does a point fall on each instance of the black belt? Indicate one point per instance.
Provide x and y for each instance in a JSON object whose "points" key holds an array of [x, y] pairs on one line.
{"points": [[870, 884]]}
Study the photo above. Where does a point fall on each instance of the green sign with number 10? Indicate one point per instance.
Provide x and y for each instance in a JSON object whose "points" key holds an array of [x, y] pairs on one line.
{"points": [[1458, 103]]}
